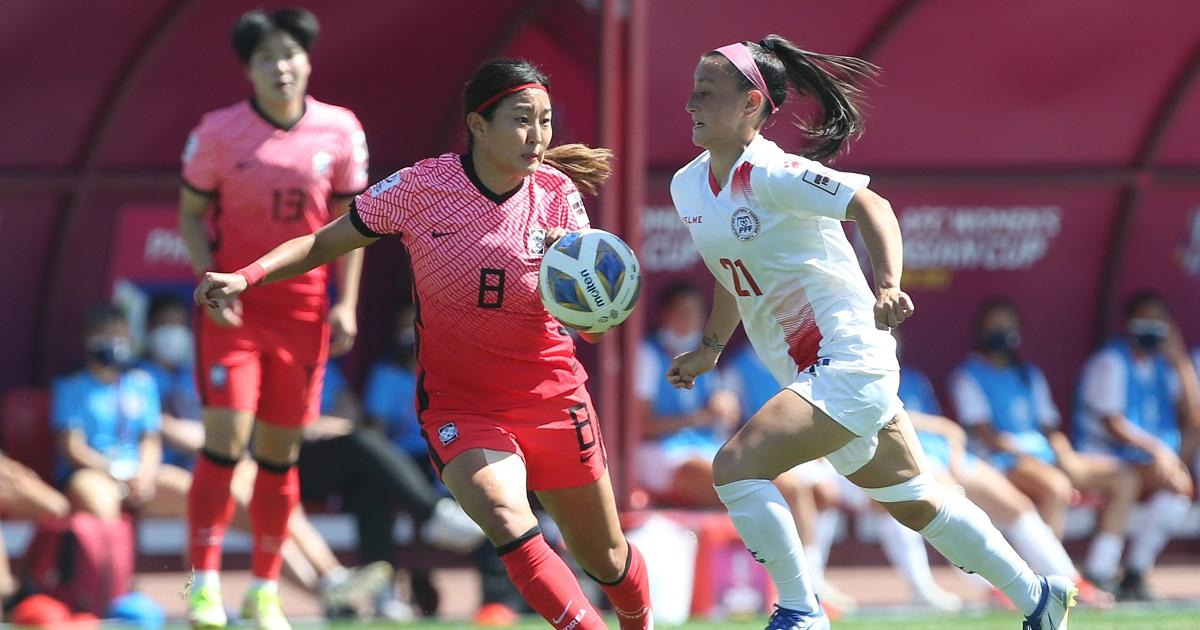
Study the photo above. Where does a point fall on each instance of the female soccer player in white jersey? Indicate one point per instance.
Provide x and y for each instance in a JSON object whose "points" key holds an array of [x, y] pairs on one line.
{"points": [[501, 398], [767, 224]]}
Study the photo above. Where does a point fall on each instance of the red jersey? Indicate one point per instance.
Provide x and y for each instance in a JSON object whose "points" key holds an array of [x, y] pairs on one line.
{"points": [[485, 341], [272, 184]]}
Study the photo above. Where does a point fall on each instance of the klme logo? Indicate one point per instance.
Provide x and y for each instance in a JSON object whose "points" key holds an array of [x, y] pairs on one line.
{"points": [[590, 284]]}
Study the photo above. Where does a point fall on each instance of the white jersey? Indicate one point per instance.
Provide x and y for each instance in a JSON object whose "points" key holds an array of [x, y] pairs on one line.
{"points": [[773, 238]]}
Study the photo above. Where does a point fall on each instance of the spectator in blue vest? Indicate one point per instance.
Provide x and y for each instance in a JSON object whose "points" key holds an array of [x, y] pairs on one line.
{"points": [[1137, 394], [944, 443], [170, 360], [683, 428], [389, 400], [1004, 402]]}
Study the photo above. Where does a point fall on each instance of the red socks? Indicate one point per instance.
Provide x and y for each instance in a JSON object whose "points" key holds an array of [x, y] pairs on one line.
{"points": [[209, 510], [276, 494], [630, 596], [548, 585]]}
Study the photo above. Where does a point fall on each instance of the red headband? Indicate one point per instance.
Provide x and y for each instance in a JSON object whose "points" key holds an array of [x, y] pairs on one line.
{"points": [[739, 55], [512, 90]]}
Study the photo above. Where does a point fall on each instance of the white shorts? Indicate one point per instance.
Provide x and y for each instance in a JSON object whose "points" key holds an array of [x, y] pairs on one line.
{"points": [[859, 400]]}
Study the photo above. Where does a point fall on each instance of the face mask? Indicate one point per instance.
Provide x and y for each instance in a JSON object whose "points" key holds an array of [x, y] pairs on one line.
{"points": [[1001, 341], [114, 352], [170, 344], [679, 344], [1150, 334]]}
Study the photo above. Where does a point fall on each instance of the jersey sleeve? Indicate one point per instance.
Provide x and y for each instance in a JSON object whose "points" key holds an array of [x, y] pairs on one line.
{"points": [[807, 188], [201, 161], [1043, 403], [970, 401], [1103, 383], [350, 169], [380, 210]]}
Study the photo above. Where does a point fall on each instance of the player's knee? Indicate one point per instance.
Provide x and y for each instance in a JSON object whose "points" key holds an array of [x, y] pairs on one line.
{"points": [[726, 466], [604, 562], [95, 493], [913, 502], [503, 523]]}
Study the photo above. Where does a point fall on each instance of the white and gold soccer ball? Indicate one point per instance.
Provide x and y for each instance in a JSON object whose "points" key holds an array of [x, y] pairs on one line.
{"points": [[590, 280]]}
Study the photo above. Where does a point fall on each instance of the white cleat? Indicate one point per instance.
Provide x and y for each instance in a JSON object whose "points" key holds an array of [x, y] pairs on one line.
{"points": [[1059, 595], [450, 528]]}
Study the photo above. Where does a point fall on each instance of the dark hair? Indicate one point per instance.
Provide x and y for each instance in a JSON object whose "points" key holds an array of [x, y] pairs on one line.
{"points": [[1145, 297], [301, 24], [993, 305], [100, 316], [162, 303], [587, 167], [675, 291], [832, 80]]}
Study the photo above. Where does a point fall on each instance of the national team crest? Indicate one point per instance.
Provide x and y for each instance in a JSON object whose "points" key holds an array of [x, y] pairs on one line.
{"points": [[218, 375], [447, 433], [745, 224], [536, 243]]}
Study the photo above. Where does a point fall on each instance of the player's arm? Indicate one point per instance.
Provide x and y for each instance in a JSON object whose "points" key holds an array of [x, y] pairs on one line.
{"points": [[192, 208], [881, 233], [343, 316], [288, 260], [722, 321], [74, 447]]}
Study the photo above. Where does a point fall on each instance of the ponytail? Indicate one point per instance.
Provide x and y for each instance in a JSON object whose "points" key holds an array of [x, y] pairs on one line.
{"points": [[587, 167], [832, 80]]}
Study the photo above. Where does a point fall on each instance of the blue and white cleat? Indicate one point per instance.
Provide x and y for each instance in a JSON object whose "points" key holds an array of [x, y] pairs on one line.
{"points": [[788, 619], [1059, 595]]}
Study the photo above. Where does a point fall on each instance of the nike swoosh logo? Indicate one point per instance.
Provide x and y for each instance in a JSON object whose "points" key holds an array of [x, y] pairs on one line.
{"points": [[564, 613], [437, 234], [241, 165]]}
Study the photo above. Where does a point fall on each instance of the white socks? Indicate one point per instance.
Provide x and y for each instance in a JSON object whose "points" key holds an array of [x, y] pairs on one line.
{"points": [[1164, 511], [1037, 543], [905, 549], [817, 551], [963, 533], [1104, 556], [270, 586], [762, 518]]}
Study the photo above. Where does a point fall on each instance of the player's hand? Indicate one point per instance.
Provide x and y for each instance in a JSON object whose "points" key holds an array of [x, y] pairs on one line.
{"points": [[343, 329], [1169, 469], [553, 235], [687, 366], [892, 307], [141, 489], [214, 287], [226, 314]]}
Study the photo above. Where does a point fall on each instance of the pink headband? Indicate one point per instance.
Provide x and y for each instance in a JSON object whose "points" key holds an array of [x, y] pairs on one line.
{"points": [[739, 55]]}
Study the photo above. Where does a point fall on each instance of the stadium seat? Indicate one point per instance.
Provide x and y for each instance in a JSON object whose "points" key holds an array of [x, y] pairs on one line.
{"points": [[25, 433]]}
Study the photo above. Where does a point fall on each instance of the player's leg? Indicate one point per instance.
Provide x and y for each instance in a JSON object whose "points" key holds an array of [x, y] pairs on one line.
{"points": [[787, 431], [1170, 497], [94, 492], [1048, 487], [1120, 485], [490, 485], [897, 477], [587, 516]]}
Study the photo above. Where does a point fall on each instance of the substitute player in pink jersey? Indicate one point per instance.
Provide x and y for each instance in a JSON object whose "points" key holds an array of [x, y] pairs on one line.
{"points": [[768, 225], [262, 171], [500, 395]]}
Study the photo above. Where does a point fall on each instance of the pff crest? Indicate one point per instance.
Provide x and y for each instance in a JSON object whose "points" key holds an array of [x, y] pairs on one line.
{"points": [[745, 224]]}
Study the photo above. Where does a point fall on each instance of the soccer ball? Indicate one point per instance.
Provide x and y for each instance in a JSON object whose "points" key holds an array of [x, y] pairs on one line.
{"points": [[590, 280]]}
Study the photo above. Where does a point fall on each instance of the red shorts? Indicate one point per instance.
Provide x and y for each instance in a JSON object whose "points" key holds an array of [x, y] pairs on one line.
{"points": [[559, 439], [274, 367]]}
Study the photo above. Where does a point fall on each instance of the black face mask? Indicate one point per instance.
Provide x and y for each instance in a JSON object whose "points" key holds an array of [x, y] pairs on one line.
{"points": [[112, 352], [1003, 342], [1149, 334]]}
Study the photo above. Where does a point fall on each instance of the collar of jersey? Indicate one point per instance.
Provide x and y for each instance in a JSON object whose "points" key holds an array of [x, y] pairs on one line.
{"points": [[469, 168], [267, 119], [744, 157]]}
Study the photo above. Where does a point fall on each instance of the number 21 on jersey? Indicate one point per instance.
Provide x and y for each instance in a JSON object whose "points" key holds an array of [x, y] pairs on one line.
{"points": [[739, 272]]}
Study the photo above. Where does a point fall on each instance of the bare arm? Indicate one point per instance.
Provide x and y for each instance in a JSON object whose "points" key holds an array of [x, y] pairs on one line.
{"points": [[192, 208], [79, 454], [995, 441], [881, 233], [150, 454], [1128, 433], [343, 316], [722, 321], [182, 435], [288, 260], [655, 427]]}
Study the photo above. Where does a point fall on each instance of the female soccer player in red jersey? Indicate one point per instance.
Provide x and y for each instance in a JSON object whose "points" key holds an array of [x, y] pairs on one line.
{"points": [[500, 394], [261, 171], [771, 235]]}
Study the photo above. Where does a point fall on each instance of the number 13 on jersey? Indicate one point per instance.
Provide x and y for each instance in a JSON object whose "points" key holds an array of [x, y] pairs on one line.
{"points": [[739, 271]]}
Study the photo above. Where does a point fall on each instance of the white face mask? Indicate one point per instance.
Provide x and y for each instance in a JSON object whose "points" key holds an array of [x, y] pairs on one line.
{"points": [[171, 345]]}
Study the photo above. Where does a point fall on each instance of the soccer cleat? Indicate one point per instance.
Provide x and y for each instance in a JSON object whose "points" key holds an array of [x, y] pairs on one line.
{"points": [[938, 599], [495, 615], [1059, 595], [1093, 596], [642, 620], [451, 529], [788, 619], [1133, 588], [360, 584], [205, 610], [262, 608]]}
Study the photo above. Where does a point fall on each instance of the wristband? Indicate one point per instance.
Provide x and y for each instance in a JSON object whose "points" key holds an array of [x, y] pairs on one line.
{"points": [[253, 273]]}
